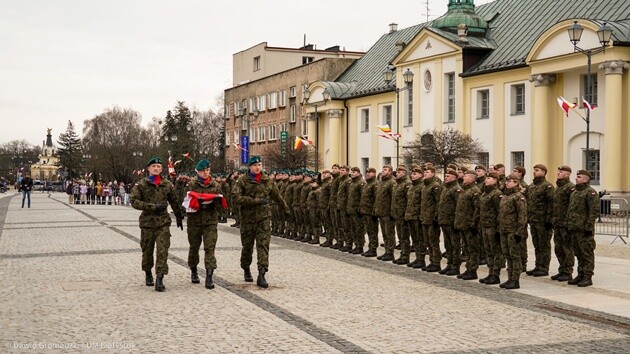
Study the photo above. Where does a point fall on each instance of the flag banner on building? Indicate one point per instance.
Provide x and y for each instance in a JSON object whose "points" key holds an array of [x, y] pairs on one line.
{"points": [[565, 105], [386, 132], [300, 141], [244, 149], [239, 147], [585, 104]]}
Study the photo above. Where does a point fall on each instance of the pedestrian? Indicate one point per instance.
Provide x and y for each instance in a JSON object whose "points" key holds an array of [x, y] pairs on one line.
{"points": [[512, 226], [83, 190], [583, 210], [70, 191], [562, 240], [539, 197], [253, 191], [26, 185], [152, 195], [203, 217]]}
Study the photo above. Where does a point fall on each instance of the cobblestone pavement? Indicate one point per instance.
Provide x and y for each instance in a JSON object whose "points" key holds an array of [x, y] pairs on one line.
{"points": [[70, 281]]}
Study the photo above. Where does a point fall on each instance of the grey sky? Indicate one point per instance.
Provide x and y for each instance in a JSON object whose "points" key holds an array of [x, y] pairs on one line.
{"points": [[70, 60]]}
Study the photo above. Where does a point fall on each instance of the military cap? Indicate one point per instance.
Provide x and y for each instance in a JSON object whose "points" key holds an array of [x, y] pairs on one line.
{"points": [[153, 160], [565, 168], [371, 169], [499, 165], [493, 175], [513, 177], [202, 165], [470, 172], [480, 167], [254, 159], [335, 165], [389, 166], [452, 166], [463, 169], [585, 173], [355, 169], [451, 172], [520, 169], [541, 166], [325, 171], [401, 168], [417, 169], [429, 168], [427, 164], [345, 167]]}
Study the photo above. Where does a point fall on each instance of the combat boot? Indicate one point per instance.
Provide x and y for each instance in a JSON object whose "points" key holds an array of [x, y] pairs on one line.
{"points": [[401, 261], [159, 282], [564, 277], [556, 276], [470, 275], [247, 274], [209, 282], [531, 272], [335, 246], [512, 284], [357, 250], [148, 278], [326, 244], [576, 280], [453, 271], [432, 268], [459, 276], [194, 277], [483, 280], [306, 239], [369, 253], [419, 264], [540, 273], [586, 281], [494, 279], [445, 270], [261, 281], [347, 248], [387, 257], [502, 285]]}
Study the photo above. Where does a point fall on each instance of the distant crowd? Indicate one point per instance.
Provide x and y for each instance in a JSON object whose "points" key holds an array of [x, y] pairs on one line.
{"points": [[101, 192]]}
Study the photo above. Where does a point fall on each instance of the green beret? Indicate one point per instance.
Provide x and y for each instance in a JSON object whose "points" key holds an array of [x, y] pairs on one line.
{"points": [[154, 160], [202, 165], [254, 159]]}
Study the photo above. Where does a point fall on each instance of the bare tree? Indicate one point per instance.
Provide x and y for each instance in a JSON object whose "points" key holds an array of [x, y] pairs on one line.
{"points": [[443, 147], [290, 158]]}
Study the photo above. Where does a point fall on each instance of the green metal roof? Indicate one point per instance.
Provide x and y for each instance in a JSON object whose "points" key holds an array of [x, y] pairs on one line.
{"points": [[461, 12]]}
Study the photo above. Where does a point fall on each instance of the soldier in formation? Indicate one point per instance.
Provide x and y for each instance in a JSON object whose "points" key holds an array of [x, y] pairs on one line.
{"points": [[539, 197], [353, 210], [368, 197]]}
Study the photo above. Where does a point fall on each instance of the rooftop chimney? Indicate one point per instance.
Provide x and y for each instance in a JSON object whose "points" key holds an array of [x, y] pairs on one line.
{"points": [[393, 27]]}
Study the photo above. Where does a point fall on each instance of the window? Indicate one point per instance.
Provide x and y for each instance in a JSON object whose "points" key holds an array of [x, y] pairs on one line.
{"points": [[272, 99], [518, 158], [450, 98], [365, 163], [245, 123], [293, 113], [483, 159], [518, 99], [303, 128], [387, 161], [262, 103], [283, 127], [592, 90], [273, 132], [257, 63], [227, 138], [235, 109], [365, 119], [244, 105], [252, 135], [409, 118], [253, 103], [592, 165], [483, 104], [236, 137], [262, 133], [306, 60], [292, 92], [282, 98], [387, 115]]}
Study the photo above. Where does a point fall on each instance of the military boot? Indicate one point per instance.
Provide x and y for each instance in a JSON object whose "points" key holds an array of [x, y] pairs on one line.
{"points": [[502, 285], [445, 270], [586, 281], [314, 241], [357, 250], [369, 253], [432, 268], [564, 277], [148, 278], [419, 264], [194, 277], [531, 272], [159, 282], [387, 257], [483, 280], [326, 244], [459, 276], [306, 238], [494, 279], [453, 271], [247, 274], [347, 248], [209, 282], [556, 276], [512, 284], [540, 273], [470, 275], [576, 280], [335, 246], [261, 281], [401, 261]]}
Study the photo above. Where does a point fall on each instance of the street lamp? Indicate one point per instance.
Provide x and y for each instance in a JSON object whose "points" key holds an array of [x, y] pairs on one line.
{"points": [[388, 75], [326, 97], [137, 155], [604, 33]]}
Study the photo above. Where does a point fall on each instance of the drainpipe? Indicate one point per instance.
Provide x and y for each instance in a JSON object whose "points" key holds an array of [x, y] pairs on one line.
{"points": [[345, 104]]}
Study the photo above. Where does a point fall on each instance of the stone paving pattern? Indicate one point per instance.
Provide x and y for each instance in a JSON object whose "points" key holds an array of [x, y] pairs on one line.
{"points": [[70, 279]]}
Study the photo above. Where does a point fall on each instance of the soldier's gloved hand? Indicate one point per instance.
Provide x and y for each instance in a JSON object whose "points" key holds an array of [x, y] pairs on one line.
{"points": [[497, 237], [548, 226], [180, 224], [517, 238], [588, 233], [160, 207], [263, 201]]}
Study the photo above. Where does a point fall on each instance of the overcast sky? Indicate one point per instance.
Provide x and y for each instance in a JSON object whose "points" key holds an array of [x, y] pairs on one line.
{"points": [[70, 60]]}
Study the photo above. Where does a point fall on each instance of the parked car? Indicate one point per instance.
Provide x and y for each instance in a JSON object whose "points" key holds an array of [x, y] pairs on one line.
{"points": [[38, 185]]}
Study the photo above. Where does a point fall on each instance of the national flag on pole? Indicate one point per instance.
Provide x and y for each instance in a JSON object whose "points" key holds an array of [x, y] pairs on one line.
{"points": [[386, 136], [187, 156], [238, 146], [384, 128], [585, 104], [565, 105], [299, 142], [171, 167]]}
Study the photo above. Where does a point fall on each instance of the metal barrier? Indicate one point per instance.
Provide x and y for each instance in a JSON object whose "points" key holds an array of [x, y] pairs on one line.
{"points": [[613, 218]]}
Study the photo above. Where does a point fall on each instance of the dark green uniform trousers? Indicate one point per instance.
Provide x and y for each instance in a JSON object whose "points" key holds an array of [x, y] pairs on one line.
{"points": [[207, 234], [260, 233], [563, 248], [541, 238], [512, 253], [492, 245], [149, 237]]}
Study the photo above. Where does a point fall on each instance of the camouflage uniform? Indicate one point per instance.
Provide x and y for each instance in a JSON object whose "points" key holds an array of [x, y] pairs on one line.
{"points": [[512, 226], [297, 210], [466, 224], [306, 227], [539, 197], [288, 198], [154, 226], [489, 203], [368, 196], [281, 216], [332, 211], [382, 209], [236, 207], [324, 202], [431, 191], [344, 221], [353, 209], [253, 198], [583, 210], [412, 217], [563, 242], [446, 219], [202, 225], [399, 206], [312, 203]]}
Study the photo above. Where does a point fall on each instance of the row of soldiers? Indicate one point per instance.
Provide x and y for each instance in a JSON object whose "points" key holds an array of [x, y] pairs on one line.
{"points": [[482, 216]]}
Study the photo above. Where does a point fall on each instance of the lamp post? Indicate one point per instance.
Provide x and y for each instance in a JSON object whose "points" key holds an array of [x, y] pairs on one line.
{"points": [[604, 33], [136, 155], [388, 75], [325, 97]]}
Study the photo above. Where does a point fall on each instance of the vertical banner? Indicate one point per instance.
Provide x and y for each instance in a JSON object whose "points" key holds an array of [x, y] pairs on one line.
{"points": [[284, 137], [244, 149]]}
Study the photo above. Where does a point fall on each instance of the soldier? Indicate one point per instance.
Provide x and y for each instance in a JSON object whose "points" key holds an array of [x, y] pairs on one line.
{"points": [[431, 191], [412, 217], [446, 219], [460, 174], [202, 221], [273, 176], [466, 224], [151, 195], [312, 203], [583, 210], [325, 213], [225, 191], [334, 215], [236, 210], [306, 226], [368, 196], [357, 227], [481, 173], [488, 214], [399, 206], [500, 170], [563, 242], [539, 197], [253, 191], [342, 199], [382, 209], [519, 171], [296, 207], [512, 226], [288, 198]]}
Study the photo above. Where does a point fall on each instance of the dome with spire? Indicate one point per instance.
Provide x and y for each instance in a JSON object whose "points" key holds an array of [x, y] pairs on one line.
{"points": [[461, 12]]}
